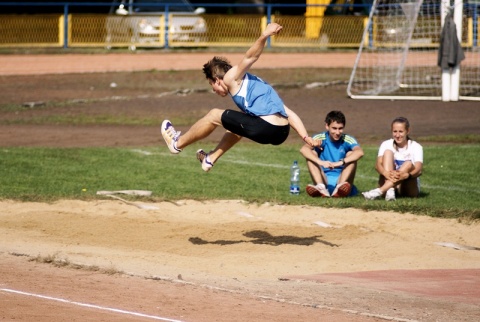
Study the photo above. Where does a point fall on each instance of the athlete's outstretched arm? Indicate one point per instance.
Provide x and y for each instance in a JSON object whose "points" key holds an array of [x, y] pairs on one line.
{"points": [[254, 52], [297, 124]]}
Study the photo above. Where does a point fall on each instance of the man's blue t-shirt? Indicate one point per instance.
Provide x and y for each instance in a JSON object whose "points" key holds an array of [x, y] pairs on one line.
{"points": [[334, 151]]}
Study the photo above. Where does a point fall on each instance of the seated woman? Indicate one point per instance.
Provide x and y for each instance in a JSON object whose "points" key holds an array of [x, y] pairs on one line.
{"points": [[399, 164]]}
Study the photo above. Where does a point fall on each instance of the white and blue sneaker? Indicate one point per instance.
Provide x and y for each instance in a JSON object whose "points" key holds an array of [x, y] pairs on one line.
{"points": [[202, 156], [170, 136]]}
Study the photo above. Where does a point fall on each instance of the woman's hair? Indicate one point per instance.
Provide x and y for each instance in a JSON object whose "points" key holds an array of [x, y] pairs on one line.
{"points": [[216, 68], [402, 120]]}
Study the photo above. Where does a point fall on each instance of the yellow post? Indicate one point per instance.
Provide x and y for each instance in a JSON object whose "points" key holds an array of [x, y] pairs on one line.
{"points": [[470, 33], [314, 17], [61, 30], [263, 22], [367, 36]]}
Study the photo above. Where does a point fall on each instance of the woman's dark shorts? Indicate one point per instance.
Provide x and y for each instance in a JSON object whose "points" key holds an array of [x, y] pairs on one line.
{"points": [[255, 128]]}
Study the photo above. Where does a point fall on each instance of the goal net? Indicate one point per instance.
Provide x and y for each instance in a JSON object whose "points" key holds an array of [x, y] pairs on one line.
{"points": [[398, 55]]}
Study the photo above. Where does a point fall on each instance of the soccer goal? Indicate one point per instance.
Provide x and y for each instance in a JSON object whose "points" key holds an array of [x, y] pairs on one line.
{"points": [[398, 55]]}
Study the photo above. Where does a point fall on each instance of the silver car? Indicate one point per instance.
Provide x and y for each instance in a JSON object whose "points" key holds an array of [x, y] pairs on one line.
{"points": [[145, 23]]}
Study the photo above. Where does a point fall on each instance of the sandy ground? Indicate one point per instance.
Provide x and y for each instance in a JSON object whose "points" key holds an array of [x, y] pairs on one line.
{"points": [[233, 239]]}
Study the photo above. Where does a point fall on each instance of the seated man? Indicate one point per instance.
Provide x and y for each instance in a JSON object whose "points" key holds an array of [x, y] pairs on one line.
{"points": [[332, 164]]}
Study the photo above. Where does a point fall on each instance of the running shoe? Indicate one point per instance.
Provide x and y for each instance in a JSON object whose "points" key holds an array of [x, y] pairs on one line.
{"points": [[317, 191], [342, 190], [390, 195], [202, 156], [170, 136], [372, 194]]}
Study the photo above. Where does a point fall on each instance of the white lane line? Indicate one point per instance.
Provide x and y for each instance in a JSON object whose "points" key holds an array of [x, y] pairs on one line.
{"points": [[89, 305]]}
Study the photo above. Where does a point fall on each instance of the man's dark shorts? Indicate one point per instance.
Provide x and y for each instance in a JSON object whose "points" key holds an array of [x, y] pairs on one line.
{"points": [[255, 128]]}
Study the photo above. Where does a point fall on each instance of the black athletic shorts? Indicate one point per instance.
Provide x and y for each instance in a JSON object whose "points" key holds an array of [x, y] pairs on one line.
{"points": [[255, 128]]}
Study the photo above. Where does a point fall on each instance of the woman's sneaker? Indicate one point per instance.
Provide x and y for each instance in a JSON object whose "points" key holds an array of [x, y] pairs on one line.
{"points": [[202, 156], [390, 195], [317, 191], [372, 194], [170, 136]]}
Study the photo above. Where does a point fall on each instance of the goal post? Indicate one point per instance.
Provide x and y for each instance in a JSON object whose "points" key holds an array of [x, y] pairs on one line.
{"points": [[398, 55]]}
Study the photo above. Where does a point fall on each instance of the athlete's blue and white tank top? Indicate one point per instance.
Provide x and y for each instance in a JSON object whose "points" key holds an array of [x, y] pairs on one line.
{"points": [[258, 98]]}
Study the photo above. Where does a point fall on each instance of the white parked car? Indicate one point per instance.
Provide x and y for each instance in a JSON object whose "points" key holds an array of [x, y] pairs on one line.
{"points": [[139, 23]]}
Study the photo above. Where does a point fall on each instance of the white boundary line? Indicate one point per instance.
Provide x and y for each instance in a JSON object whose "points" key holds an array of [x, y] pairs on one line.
{"points": [[89, 305]]}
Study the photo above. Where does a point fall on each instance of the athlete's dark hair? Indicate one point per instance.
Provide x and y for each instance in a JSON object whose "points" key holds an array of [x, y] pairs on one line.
{"points": [[216, 68], [335, 116]]}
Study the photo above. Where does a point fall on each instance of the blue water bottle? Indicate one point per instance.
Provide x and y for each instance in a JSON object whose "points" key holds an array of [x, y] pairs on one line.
{"points": [[295, 178]]}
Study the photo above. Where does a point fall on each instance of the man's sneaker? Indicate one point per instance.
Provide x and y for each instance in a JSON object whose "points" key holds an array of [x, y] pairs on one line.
{"points": [[170, 136], [390, 195], [372, 194], [342, 190], [202, 156], [317, 191]]}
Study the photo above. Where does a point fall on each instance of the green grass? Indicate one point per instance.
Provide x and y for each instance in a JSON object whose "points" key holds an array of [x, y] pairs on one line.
{"points": [[249, 172]]}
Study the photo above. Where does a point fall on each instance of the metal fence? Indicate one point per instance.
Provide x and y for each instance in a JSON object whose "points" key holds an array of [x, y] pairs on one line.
{"points": [[314, 29]]}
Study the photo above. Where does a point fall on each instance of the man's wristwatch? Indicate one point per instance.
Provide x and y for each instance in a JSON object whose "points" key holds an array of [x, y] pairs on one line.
{"points": [[343, 161]]}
